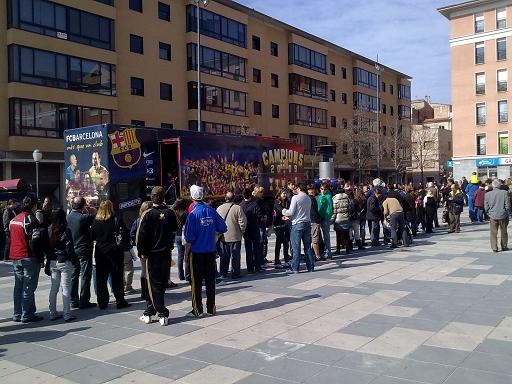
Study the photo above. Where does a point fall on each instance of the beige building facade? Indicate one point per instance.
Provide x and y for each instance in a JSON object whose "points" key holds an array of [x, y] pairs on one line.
{"points": [[431, 141], [481, 48], [74, 63]]}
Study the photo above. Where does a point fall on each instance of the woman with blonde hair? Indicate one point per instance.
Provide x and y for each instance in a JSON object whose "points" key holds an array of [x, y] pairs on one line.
{"points": [[108, 255]]}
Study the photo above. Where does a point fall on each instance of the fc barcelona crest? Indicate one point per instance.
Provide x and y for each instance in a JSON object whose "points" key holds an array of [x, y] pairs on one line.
{"points": [[125, 148]]}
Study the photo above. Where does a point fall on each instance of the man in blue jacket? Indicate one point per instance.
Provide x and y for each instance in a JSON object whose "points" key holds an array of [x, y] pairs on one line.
{"points": [[200, 251]]}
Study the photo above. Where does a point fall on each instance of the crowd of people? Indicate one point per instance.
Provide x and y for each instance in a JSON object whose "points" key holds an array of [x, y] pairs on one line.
{"points": [[94, 248]]}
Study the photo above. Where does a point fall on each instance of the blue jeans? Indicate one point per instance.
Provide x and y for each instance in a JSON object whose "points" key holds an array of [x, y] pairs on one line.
{"points": [[301, 232], [479, 214], [230, 251], [61, 277], [325, 226], [183, 269], [26, 277]]}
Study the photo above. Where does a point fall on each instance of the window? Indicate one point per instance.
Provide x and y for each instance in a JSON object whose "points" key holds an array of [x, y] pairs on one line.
{"points": [[332, 68], [217, 63], [43, 119], [137, 86], [306, 58], [391, 110], [136, 5], [344, 123], [167, 126], [503, 143], [164, 11], [364, 102], [256, 75], [165, 91], [217, 99], [502, 77], [480, 113], [344, 149], [34, 66], [501, 48], [333, 121], [309, 142], [384, 108], [257, 107], [501, 18], [333, 95], [136, 44], [107, 2], [59, 21], [404, 112], [275, 111], [307, 87], [479, 53], [343, 72], [138, 123], [502, 111], [383, 86], [391, 89], [404, 92], [164, 51], [256, 43], [343, 98], [274, 49], [274, 80], [480, 83], [216, 26], [365, 78], [479, 22], [308, 116], [480, 144]]}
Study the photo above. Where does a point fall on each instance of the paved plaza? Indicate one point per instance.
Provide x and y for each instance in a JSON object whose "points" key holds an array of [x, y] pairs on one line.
{"points": [[438, 312]]}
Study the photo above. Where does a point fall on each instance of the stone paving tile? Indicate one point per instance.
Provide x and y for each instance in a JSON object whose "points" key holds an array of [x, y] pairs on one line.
{"points": [[489, 362], [175, 367], [250, 361], [438, 355], [107, 352], [31, 375], [291, 369], [215, 374], [140, 377], [472, 376], [319, 354], [36, 356], [96, 374], [397, 342], [65, 365], [420, 371], [72, 343], [256, 378], [495, 346], [344, 341], [335, 375], [209, 353], [367, 363], [138, 359], [367, 329]]}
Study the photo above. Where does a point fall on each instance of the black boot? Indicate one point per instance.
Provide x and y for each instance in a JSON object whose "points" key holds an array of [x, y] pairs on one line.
{"points": [[348, 248], [359, 244]]}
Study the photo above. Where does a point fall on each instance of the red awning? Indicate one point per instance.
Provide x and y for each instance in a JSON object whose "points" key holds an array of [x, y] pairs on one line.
{"points": [[14, 185]]}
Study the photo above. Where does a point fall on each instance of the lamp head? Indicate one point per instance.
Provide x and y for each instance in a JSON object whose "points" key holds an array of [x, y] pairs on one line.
{"points": [[37, 155]]}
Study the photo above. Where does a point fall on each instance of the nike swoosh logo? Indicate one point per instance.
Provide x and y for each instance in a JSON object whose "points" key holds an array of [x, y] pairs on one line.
{"points": [[148, 154]]}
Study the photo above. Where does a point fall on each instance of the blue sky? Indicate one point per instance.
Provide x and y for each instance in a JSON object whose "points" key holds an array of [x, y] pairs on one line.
{"points": [[410, 36]]}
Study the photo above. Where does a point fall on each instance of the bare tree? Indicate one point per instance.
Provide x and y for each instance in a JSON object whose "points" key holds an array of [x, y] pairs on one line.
{"points": [[424, 148], [355, 141], [397, 145]]}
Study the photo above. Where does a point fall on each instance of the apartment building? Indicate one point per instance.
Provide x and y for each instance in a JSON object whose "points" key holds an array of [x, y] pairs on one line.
{"points": [[431, 141], [71, 63], [480, 43]]}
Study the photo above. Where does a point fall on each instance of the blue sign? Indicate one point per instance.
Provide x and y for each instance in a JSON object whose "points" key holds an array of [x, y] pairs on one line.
{"points": [[449, 164], [490, 162]]}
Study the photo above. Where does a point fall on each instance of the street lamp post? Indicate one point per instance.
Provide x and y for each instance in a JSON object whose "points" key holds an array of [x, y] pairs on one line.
{"points": [[377, 67], [198, 61], [37, 155]]}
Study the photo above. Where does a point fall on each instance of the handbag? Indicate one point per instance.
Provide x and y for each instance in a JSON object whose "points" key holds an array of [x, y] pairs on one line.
{"points": [[122, 236]]}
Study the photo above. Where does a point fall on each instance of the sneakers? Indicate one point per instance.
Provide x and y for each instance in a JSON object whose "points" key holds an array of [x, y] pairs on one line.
{"points": [[70, 318], [55, 316], [146, 319], [32, 319], [163, 321]]}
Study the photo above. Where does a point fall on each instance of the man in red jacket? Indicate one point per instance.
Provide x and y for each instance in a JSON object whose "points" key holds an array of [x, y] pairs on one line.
{"points": [[25, 262]]}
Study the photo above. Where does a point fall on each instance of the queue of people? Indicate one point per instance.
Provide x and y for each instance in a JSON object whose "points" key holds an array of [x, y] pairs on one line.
{"points": [[87, 247]]}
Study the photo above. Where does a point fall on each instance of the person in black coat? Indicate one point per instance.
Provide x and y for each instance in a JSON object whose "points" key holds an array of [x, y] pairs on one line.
{"points": [[374, 215], [108, 255]]}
